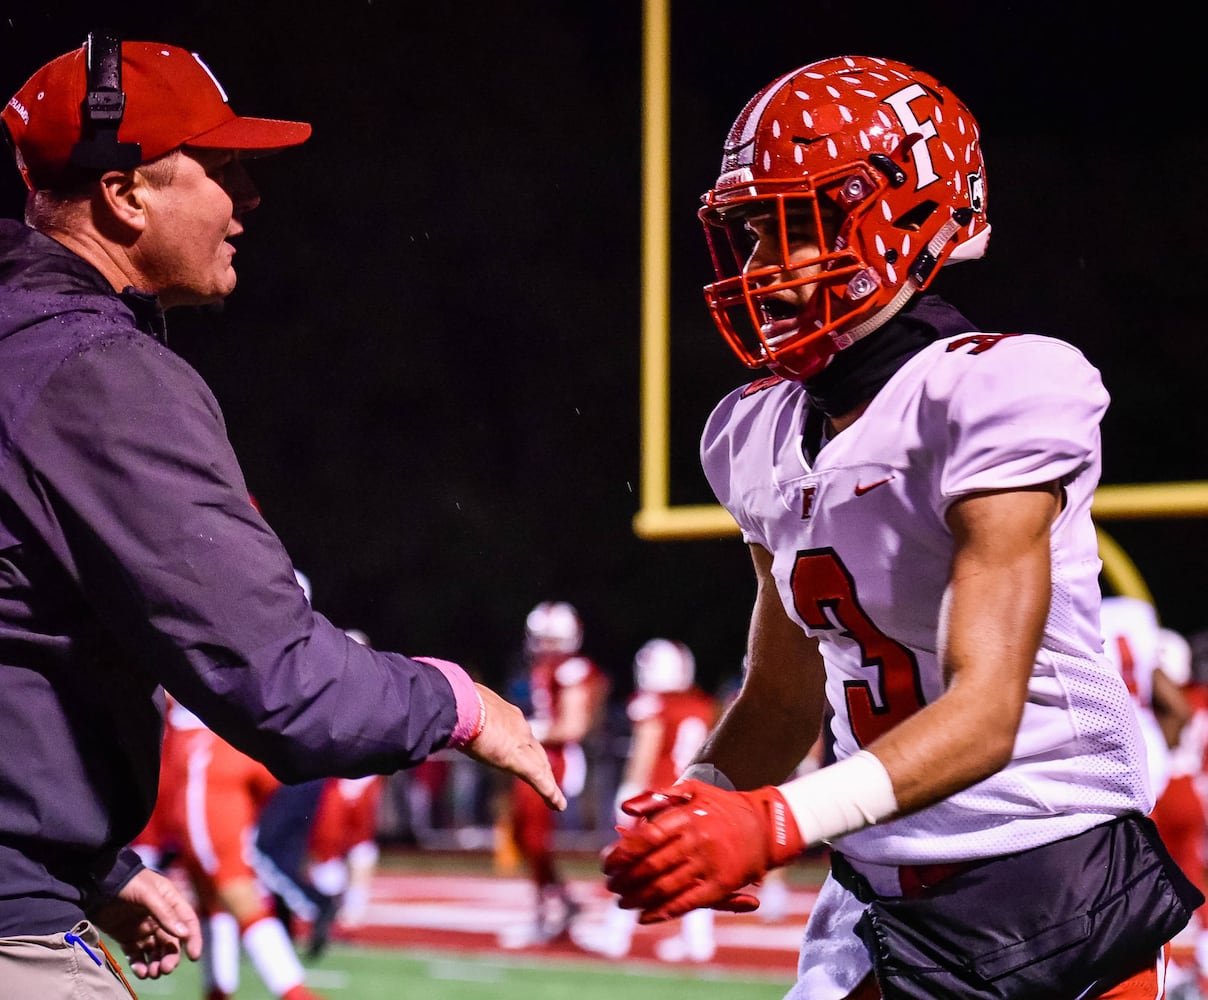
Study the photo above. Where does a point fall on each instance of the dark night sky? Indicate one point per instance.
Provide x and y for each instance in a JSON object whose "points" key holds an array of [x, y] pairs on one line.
{"points": [[430, 366]]}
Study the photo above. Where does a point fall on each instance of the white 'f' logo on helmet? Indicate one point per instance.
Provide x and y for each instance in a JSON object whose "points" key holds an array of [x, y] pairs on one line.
{"points": [[900, 102]]}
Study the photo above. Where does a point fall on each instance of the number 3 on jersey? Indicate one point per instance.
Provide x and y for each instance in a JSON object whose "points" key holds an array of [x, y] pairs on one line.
{"points": [[820, 583]]}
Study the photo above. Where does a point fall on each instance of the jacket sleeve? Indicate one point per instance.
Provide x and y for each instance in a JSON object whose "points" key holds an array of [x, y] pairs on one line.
{"points": [[108, 883], [135, 487]]}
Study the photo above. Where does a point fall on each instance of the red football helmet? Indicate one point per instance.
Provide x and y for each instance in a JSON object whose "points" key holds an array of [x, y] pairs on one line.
{"points": [[844, 186]]}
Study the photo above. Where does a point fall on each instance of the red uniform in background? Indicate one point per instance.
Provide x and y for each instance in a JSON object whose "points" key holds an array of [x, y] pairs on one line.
{"points": [[1180, 810], [216, 793], [670, 717], [347, 816], [683, 720], [568, 692], [343, 843], [210, 799]]}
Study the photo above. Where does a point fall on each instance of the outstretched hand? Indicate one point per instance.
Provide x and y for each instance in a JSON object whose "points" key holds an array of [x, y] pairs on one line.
{"points": [[697, 847], [153, 923], [507, 742]]}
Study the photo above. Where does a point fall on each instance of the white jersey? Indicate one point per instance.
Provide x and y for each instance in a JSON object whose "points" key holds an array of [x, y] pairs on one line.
{"points": [[861, 558], [1132, 639]]}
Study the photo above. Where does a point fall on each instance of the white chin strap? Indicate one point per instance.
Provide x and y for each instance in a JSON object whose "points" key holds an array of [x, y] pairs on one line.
{"points": [[967, 251], [877, 319]]}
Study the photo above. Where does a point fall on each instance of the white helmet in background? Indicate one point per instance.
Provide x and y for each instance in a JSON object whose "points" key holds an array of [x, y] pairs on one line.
{"points": [[553, 627], [663, 665], [1174, 656]]}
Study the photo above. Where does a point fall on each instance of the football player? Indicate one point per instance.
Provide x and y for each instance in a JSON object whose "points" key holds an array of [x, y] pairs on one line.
{"points": [[670, 717], [213, 796], [567, 691], [1179, 812], [916, 496]]}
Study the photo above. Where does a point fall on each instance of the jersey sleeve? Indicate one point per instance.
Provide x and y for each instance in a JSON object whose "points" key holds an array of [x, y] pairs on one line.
{"points": [[1024, 411], [723, 454]]}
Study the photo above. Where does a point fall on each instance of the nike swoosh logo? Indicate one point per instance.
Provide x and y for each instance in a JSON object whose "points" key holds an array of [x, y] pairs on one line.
{"points": [[861, 490]]}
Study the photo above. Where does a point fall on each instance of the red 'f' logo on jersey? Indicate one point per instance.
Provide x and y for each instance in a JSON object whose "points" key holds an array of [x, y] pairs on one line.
{"points": [[807, 501]]}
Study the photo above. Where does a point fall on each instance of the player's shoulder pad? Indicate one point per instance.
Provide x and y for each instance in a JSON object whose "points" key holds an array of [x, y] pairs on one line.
{"points": [[1028, 360], [573, 670], [644, 705], [1006, 347], [742, 407]]}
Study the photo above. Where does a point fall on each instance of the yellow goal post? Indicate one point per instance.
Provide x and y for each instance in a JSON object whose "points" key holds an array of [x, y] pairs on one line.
{"points": [[656, 519]]}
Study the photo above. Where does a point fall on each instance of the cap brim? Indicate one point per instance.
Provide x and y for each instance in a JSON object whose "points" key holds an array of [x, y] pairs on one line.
{"points": [[263, 134]]}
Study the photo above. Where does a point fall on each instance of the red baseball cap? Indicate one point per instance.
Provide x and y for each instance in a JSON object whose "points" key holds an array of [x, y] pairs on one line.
{"points": [[172, 100]]}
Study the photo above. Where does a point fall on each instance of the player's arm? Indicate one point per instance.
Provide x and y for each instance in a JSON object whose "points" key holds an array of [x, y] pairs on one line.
{"points": [[702, 844], [991, 624], [777, 715]]}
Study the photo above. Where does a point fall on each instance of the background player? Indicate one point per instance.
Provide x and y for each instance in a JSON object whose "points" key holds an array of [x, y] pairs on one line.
{"points": [[344, 850], [567, 692], [213, 795], [1179, 811], [916, 498], [670, 718]]}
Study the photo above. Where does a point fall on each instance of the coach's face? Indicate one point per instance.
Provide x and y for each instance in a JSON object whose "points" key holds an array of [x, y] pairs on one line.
{"points": [[193, 209]]}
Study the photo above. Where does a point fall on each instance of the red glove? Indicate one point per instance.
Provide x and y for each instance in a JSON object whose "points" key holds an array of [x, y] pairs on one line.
{"points": [[697, 847]]}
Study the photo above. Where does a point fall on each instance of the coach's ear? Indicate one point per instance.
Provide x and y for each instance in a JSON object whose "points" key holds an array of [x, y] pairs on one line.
{"points": [[120, 203]]}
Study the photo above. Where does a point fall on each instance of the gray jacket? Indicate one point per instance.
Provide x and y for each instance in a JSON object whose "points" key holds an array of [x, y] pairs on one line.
{"points": [[132, 558]]}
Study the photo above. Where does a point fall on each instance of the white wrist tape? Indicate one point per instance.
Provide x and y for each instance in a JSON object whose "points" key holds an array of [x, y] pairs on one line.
{"points": [[840, 798], [707, 773]]}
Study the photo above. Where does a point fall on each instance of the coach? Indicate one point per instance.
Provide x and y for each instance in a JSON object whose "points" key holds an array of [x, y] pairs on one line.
{"points": [[131, 559]]}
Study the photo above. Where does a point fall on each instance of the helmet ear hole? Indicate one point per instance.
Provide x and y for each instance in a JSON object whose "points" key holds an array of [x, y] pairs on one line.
{"points": [[914, 219]]}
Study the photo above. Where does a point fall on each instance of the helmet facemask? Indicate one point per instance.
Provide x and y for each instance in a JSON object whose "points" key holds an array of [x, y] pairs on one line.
{"points": [[788, 274]]}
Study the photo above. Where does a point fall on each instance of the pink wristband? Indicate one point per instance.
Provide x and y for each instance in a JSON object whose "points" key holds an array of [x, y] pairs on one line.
{"points": [[471, 712]]}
